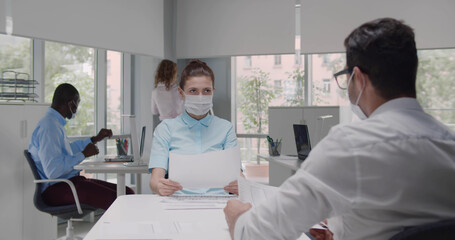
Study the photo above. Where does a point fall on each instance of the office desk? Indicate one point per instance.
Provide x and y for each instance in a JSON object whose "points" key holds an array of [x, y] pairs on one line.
{"points": [[281, 168], [144, 217], [134, 212], [99, 166]]}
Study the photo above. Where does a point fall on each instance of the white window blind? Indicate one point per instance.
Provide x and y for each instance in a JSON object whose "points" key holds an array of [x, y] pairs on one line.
{"points": [[128, 26], [212, 28], [325, 24]]}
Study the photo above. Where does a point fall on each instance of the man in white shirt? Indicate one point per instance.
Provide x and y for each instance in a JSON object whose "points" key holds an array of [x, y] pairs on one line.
{"points": [[372, 178]]}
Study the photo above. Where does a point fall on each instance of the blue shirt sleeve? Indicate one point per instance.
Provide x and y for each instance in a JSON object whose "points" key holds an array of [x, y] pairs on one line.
{"points": [[55, 153], [79, 145], [159, 155]]}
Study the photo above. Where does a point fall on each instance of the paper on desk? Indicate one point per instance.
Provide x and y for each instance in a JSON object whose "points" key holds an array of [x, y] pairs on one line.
{"points": [[131, 228], [254, 193], [214, 169], [149, 229], [188, 202]]}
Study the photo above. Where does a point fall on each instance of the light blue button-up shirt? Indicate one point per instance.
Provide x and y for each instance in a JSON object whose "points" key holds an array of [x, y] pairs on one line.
{"points": [[186, 135], [54, 155]]}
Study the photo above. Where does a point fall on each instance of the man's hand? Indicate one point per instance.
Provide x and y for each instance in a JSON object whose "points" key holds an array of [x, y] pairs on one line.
{"points": [[162, 186], [234, 208], [90, 150], [232, 187], [101, 135], [322, 234], [166, 187]]}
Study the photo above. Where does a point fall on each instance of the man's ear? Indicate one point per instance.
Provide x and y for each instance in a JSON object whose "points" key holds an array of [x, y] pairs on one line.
{"points": [[359, 78]]}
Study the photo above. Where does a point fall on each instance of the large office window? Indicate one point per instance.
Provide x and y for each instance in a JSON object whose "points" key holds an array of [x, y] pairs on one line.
{"points": [[15, 56], [436, 84], [65, 63], [15, 63], [259, 86], [114, 96], [325, 91]]}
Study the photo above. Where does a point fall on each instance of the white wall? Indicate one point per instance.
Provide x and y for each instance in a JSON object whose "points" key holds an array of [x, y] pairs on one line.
{"points": [[325, 24], [128, 26]]}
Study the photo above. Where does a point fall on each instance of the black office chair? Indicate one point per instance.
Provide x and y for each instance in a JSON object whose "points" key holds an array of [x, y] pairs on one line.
{"points": [[442, 230], [67, 212]]}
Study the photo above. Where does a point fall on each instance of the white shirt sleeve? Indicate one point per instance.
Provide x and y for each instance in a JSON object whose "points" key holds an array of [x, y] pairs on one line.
{"points": [[320, 189], [154, 106]]}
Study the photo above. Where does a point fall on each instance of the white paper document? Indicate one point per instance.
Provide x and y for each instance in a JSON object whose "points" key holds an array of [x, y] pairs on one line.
{"points": [[142, 230], [254, 193], [190, 202], [214, 169]]}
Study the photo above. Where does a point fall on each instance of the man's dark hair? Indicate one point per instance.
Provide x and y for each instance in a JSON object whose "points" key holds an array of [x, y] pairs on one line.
{"points": [[385, 49], [64, 93]]}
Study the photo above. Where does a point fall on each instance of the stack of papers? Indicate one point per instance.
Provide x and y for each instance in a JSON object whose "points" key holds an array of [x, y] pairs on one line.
{"points": [[187, 202], [214, 169]]}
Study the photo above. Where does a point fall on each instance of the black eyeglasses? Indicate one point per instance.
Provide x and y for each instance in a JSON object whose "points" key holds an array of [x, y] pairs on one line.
{"points": [[342, 79]]}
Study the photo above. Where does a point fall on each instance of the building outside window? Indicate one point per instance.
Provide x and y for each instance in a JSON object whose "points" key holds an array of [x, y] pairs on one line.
{"points": [[436, 84], [247, 61], [277, 61], [323, 68], [326, 86], [277, 84]]}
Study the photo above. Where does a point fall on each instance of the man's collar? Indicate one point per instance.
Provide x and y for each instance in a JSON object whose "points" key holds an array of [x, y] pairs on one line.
{"points": [[397, 103], [188, 120], [57, 115]]}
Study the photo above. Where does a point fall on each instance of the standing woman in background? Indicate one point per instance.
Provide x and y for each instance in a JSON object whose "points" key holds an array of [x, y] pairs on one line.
{"points": [[166, 101]]}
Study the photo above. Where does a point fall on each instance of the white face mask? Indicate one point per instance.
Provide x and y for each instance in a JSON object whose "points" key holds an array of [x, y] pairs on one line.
{"points": [[198, 104], [73, 114], [355, 107]]}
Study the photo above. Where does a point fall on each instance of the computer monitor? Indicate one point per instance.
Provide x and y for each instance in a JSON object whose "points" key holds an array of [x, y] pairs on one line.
{"points": [[302, 141], [142, 140]]}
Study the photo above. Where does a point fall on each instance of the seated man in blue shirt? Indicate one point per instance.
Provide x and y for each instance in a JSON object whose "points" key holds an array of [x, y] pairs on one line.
{"points": [[55, 156], [193, 132]]}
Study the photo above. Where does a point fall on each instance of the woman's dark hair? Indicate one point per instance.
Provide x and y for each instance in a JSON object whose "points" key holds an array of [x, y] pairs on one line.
{"points": [[64, 93], [385, 49], [196, 68], [165, 73]]}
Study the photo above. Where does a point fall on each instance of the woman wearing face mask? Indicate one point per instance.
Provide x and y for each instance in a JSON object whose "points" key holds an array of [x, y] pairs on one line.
{"points": [[193, 132], [166, 101]]}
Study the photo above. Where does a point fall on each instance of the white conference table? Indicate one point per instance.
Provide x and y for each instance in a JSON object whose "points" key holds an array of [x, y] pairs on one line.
{"points": [[98, 165], [144, 217]]}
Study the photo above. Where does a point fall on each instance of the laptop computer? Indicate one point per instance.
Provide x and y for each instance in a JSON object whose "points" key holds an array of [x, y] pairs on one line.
{"points": [[128, 158], [302, 141]]}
